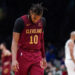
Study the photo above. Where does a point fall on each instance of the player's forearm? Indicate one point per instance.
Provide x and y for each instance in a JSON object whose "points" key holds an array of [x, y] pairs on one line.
{"points": [[14, 47], [43, 47], [43, 52], [14, 50]]}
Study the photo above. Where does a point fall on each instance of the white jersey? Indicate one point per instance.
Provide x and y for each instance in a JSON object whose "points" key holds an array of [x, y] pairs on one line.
{"points": [[67, 50]]}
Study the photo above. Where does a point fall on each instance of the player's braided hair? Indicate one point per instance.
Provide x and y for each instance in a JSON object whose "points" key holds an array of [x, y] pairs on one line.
{"points": [[37, 8]]}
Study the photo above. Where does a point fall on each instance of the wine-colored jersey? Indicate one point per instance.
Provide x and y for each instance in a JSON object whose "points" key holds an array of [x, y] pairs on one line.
{"points": [[6, 59], [6, 65], [31, 36]]}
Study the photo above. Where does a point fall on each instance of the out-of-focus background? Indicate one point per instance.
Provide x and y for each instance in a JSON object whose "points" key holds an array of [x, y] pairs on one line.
{"points": [[60, 19]]}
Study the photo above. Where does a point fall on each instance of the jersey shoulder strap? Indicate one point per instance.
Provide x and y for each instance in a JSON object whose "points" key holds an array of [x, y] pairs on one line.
{"points": [[24, 18]]}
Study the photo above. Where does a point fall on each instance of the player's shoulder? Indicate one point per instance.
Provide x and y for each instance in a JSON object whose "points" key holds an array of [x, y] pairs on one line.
{"points": [[69, 42], [44, 22], [19, 19], [7, 53]]}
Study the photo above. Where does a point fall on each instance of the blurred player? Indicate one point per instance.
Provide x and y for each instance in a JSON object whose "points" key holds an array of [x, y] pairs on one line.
{"points": [[70, 54], [6, 59], [28, 43]]}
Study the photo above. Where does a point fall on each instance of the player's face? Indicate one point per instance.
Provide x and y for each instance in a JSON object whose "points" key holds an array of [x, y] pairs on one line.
{"points": [[35, 17]]}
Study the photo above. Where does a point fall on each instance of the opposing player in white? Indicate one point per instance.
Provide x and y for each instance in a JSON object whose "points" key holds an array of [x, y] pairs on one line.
{"points": [[70, 54]]}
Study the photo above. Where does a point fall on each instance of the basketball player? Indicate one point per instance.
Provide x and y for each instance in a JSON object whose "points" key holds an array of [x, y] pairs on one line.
{"points": [[6, 59], [28, 54], [70, 54]]}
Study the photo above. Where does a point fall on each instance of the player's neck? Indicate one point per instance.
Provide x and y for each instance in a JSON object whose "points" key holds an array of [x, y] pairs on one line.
{"points": [[29, 17], [72, 39]]}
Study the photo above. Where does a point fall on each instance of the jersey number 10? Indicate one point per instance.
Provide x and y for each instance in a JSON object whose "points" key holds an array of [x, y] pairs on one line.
{"points": [[33, 39]]}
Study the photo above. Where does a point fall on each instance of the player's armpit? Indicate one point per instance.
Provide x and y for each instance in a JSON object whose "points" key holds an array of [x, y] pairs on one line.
{"points": [[7, 53]]}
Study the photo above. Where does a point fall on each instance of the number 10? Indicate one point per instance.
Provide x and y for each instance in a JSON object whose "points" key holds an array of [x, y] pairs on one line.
{"points": [[34, 39]]}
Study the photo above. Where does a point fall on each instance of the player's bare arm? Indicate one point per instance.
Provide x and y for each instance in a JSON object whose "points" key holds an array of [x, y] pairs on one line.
{"points": [[71, 46], [43, 61], [14, 49]]}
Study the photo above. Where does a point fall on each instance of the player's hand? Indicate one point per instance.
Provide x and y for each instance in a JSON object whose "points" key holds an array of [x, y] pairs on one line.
{"points": [[43, 63], [15, 65]]}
